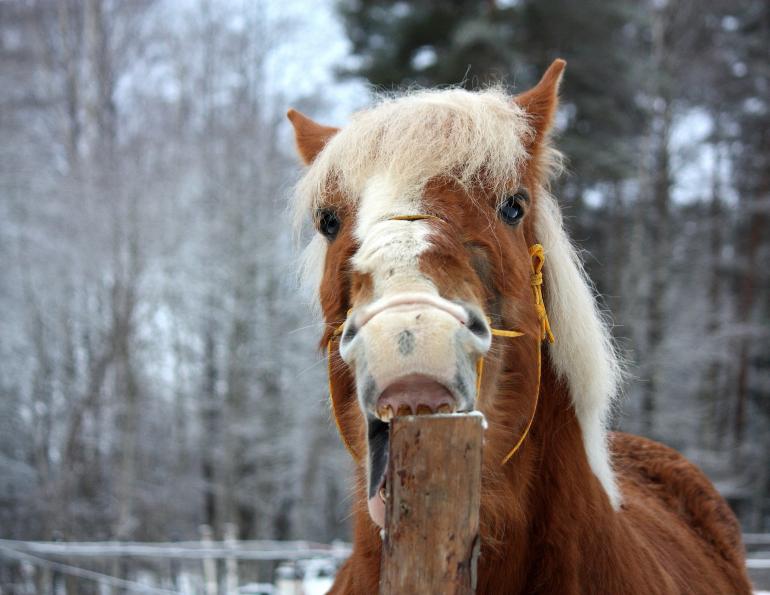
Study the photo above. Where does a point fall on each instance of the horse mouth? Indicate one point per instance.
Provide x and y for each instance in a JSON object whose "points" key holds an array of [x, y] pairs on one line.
{"points": [[414, 394]]}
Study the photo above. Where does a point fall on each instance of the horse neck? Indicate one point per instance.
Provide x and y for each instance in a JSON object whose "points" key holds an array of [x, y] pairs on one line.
{"points": [[552, 500]]}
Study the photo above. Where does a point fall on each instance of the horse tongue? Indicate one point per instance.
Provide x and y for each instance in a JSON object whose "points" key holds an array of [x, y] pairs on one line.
{"points": [[378, 436], [377, 510]]}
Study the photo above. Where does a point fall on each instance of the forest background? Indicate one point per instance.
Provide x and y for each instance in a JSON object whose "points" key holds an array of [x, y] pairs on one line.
{"points": [[159, 366]]}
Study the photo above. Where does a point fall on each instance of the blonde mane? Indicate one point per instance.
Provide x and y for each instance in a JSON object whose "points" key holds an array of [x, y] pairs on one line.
{"points": [[418, 136], [462, 135], [583, 353]]}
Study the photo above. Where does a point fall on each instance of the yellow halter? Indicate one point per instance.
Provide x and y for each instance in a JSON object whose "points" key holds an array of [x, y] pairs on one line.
{"points": [[536, 282]]}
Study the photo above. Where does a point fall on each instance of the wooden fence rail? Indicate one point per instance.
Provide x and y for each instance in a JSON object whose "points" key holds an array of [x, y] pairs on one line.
{"points": [[194, 550], [206, 566]]}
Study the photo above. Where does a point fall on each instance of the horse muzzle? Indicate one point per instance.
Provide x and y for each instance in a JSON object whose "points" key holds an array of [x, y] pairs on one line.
{"points": [[412, 354]]}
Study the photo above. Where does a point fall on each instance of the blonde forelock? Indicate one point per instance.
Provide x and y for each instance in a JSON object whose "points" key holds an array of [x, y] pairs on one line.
{"points": [[458, 135]]}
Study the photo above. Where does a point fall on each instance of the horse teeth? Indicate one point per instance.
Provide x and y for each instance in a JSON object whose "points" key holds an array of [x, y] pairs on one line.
{"points": [[445, 408], [424, 410], [385, 413], [404, 410]]}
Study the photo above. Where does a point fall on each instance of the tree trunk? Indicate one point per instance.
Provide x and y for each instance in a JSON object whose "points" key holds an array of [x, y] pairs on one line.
{"points": [[657, 225], [211, 423], [712, 392], [659, 251]]}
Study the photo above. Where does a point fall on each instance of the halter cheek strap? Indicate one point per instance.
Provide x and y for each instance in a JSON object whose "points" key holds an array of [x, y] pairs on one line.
{"points": [[335, 414], [536, 282]]}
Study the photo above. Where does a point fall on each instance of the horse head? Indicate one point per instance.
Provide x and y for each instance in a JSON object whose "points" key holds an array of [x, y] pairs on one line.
{"points": [[427, 208]]}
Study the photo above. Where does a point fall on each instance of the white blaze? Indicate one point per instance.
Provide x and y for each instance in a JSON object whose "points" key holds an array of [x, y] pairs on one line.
{"points": [[390, 250]]}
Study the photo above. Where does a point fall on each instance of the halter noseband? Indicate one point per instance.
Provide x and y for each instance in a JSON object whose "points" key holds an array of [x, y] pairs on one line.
{"points": [[536, 282]]}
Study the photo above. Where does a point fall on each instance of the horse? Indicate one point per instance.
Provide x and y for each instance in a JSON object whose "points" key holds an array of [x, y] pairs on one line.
{"points": [[440, 253]]}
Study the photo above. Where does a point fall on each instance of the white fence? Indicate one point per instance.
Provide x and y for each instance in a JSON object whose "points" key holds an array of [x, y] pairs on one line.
{"points": [[203, 567], [206, 567], [758, 558]]}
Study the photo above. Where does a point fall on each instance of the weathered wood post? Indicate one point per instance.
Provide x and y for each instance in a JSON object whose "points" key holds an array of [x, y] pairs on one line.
{"points": [[231, 562], [210, 578], [431, 543]]}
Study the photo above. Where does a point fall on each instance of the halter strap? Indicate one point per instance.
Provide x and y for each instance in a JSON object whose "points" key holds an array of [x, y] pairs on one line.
{"points": [[413, 217], [536, 281]]}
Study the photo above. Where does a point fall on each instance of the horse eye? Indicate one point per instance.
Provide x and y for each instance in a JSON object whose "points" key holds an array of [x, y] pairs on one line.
{"points": [[328, 223], [512, 209]]}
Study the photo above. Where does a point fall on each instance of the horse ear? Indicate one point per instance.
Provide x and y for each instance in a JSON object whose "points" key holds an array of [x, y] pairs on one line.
{"points": [[309, 135], [541, 101]]}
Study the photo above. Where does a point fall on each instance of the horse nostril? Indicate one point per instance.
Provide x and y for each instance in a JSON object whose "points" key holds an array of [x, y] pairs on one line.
{"points": [[351, 330], [476, 325]]}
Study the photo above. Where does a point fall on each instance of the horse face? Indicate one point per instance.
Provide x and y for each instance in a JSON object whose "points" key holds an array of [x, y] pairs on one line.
{"points": [[418, 272], [418, 321], [421, 294]]}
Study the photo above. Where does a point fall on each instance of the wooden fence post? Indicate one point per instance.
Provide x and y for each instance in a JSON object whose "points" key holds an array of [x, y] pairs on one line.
{"points": [[431, 542], [231, 562], [210, 578]]}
